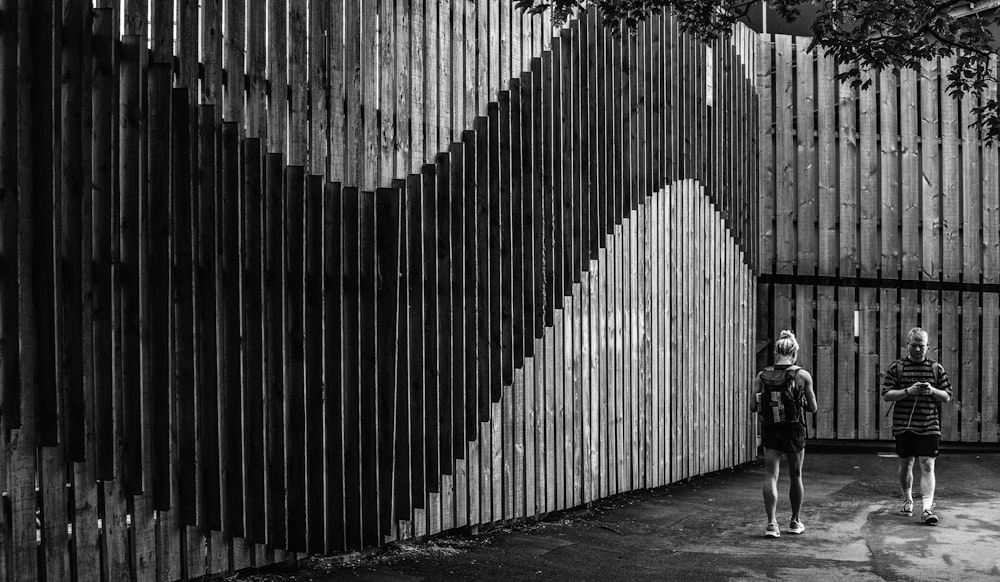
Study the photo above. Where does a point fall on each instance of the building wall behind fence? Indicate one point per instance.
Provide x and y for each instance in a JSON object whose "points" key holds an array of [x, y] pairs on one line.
{"points": [[306, 276], [880, 211]]}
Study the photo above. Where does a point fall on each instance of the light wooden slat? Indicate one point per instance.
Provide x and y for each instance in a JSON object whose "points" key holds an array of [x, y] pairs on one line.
{"points": [[337, 44], [869, 387], [807, 162], [950, 345], [353, 149], [826, 343], [805, 327], [256, 62], [967, 386], [889, 170], [431, 64], [767, 167], [277, 68], [889, 316], [868, 187], [991, 318], [930, 195], [847, 141], [951, 184], [786, 202], [319, 66], [909, 119]]}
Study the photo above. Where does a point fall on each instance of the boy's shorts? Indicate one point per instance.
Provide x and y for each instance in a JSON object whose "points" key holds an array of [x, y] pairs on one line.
{"points": [[910, 444], [787, 439]]}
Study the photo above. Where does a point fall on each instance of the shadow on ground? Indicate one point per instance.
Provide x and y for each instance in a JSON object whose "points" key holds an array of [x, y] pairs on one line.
{"points": [[709, 528]]}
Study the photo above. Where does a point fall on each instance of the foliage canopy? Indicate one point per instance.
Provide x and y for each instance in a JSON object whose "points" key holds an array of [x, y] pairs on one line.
{"points": [[872, 34]]}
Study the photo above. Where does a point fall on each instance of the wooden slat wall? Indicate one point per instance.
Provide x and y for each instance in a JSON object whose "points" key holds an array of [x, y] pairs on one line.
{"points": [[906, 194], [358, 276]]}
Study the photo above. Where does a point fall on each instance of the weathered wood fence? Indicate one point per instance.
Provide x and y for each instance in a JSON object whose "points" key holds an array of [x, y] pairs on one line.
{"points": [[302, 276], [880, 211]]}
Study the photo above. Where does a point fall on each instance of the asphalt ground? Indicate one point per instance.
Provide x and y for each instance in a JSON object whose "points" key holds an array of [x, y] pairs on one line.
{"points": [[711, 528]]}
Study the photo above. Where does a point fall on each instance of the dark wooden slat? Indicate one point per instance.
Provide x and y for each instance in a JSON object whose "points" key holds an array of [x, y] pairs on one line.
{"points": [[128, 268], [333, 369], [315, 509], [294, 361], [71, 268], [352, 366], [157, 282], [252, 265], [544, 101], [506, 232], [495, 265], [528, 252], [561, 180], [471, 298], [446, 243], [483, 272], [538, 199], [415, 336], [456, 205], [274, 382], [10, 387], [517, 224], [388, 312], [431, 372], [205, 301], [369, 403]]}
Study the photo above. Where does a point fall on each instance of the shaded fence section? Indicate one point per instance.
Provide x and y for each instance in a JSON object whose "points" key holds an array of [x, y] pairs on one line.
{"points": [[419, 266], [880, 211]]}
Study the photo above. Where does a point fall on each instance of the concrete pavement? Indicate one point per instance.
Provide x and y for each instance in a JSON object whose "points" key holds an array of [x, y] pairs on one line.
{"points": [[710, 528]]}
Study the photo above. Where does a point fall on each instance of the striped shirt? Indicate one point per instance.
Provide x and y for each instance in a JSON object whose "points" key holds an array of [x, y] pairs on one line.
{"points": [[919, 414]]}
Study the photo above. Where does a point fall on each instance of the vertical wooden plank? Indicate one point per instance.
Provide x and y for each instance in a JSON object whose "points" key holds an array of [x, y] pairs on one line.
{"points": [[768, 168], [847, 384], [806, 161], [496, 269], [389, 72], [430, 370], [869, 387], [847, 144], [805, 329], [294, 360], [951, 184], [234, 38], [334, 363], [949, 354], [228, 302], [319, 86], [353, 150], [387, 313], [445, 74], [988, 392], [369, 402], [403, 109], [252, 347], [431, 82], [784, 157], [313, 332], [910, 170], [826, 343], [256, 66], [274, 379], [970, 382], [471, 331], [415, 339], [298, 99], [418, 84], [868, 188], [890, 169], [128, 232], [930, 170], [889, 309]]}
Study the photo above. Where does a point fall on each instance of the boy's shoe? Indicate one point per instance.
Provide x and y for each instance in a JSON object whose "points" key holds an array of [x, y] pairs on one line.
{"points": [[907, 509], [772, 531], [928, 517], [796, 527]]}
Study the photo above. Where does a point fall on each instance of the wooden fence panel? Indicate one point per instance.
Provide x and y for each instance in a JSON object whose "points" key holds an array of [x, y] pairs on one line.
{"points": [[406, 346]]}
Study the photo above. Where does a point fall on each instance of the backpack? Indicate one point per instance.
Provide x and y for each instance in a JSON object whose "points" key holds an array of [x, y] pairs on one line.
{"points": [[780, 399]]}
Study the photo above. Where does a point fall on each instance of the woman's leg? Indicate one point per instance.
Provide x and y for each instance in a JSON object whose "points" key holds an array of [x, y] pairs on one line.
{"points": [[772, 463], [795, 489]]}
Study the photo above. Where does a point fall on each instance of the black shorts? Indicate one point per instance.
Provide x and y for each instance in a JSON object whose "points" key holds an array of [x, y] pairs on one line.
{"points": [[787, 439], [909, 444]]}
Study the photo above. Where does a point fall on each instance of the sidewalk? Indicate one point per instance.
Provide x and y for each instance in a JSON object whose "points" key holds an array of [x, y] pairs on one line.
{"points": [[710, 529]]}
